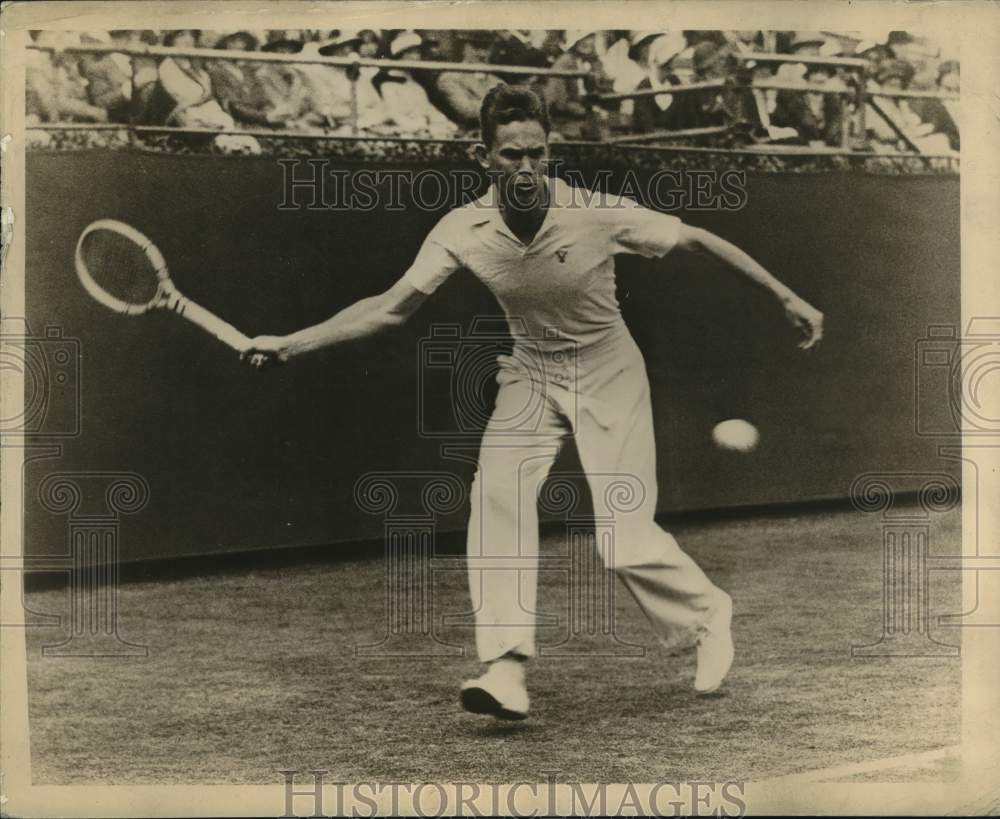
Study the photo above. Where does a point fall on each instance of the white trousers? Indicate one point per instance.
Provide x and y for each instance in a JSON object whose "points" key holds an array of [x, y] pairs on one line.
{"points": [[602, 398]]}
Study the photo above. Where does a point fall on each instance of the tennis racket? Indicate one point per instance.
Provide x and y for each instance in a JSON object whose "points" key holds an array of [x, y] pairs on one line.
{"points": [[123, 270]]}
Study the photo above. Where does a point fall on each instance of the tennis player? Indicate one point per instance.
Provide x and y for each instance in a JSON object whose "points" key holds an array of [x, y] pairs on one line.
{"points": [[546, 251]]}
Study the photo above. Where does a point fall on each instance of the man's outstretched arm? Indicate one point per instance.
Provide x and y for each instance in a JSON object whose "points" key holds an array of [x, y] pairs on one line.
{"points": [[804, 316], [362, 319]]}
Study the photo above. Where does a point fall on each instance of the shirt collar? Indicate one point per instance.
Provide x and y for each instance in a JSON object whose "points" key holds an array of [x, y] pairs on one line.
{"points": [[488, 214], [488, 211]]}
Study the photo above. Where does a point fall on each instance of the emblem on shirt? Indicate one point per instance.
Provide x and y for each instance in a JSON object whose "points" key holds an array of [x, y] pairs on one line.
{"points": [[561, 255]]}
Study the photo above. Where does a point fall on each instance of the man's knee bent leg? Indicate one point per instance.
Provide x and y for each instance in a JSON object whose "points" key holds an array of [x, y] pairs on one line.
{"points": [[640, 543], [511, 471]]}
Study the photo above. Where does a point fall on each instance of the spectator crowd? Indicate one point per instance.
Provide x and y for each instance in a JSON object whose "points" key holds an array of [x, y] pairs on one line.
{"points": [[405, 100]]}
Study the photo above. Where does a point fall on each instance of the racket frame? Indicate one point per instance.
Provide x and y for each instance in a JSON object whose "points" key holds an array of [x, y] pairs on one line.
{"points": [[167, 296]]}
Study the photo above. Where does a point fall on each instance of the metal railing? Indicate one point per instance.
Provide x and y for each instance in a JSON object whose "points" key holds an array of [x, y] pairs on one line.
{"points": [[640, 93], [682, 133], [308, 59], [856, 88], [804, 59], [350, 64]]}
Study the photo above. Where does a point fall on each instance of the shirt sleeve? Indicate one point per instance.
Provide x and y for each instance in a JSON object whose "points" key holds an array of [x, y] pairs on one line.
{"points": [[639, 230], [436, 260]]}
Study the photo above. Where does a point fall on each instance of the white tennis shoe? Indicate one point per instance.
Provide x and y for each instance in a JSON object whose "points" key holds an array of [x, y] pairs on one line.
{"points": [[715, 648], [500, 691]]}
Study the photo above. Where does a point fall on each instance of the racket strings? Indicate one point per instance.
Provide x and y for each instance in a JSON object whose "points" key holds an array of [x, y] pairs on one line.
{"points": [[120, 267]]}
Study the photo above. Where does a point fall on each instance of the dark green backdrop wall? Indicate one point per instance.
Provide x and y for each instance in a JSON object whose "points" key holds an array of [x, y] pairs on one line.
{"points": [[239, 459]]}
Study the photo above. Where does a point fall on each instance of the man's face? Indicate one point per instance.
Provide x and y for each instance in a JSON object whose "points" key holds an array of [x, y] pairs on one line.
{"points": [[819, 75], [368, 45], [586, 48], [435, 50], [475, 52], [516, 162], [346, 49], [874, 56], [951, 82], [714, 71]]}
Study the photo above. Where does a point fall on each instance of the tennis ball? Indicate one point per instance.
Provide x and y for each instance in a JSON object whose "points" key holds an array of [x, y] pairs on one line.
{"points": [[736, 435]]}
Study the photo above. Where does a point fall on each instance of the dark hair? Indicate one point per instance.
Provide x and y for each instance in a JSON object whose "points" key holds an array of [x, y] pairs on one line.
{"points": [[504, 103], [949, 67], [898, 69], [171, 36]]}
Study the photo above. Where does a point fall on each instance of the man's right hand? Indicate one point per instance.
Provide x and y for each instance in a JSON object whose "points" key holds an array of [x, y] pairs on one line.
{"points": [[806, 319], [266, 351]]}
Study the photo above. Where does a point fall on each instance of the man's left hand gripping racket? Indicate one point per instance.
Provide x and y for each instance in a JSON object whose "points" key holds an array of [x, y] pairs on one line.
{"points": [[123, 270]]}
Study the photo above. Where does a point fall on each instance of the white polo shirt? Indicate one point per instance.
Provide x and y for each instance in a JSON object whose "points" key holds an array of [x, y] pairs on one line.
{"points": [[561, 284]]}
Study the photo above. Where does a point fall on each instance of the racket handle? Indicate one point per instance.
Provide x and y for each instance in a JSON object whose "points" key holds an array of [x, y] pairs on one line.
{"points": [[226, 333]]}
